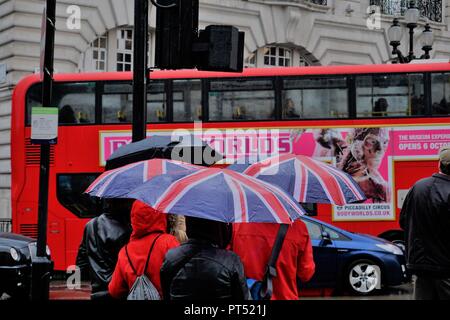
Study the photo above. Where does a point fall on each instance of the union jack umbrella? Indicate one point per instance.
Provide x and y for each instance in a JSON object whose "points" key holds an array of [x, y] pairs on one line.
{"points": [[218, 194], [118, 182], [306, 179]]}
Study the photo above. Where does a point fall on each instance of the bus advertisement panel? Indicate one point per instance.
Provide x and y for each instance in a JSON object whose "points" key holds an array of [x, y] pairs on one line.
{"points": [[366, 153]]}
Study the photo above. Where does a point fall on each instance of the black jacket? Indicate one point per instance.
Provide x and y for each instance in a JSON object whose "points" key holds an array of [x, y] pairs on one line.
{"points": [[199, 270], [103, 238], [425, 217]]}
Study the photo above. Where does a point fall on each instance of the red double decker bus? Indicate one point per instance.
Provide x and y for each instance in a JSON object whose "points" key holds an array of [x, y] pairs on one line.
{"points": [[383, 124]]}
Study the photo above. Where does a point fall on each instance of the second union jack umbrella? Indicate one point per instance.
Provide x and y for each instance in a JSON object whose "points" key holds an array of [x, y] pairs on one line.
{"points": [[218, 194], [306, 179], [118, 182]]}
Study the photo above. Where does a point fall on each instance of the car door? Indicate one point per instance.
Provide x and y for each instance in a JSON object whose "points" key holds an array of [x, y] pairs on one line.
{"points": [[325, 257]]}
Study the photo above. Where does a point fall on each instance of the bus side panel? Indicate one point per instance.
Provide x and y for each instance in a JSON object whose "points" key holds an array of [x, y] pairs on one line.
{"points": [[407, 173]]}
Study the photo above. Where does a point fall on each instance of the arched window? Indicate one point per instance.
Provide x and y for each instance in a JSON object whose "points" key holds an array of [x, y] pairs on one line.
{"points": [[277, 56], [124, 56], [99, 51], [112, 51], [303, 62]]}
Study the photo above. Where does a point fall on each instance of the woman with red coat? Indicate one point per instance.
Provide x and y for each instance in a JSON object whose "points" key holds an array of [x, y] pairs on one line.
{"points": [[253, 243], [148, 226]]}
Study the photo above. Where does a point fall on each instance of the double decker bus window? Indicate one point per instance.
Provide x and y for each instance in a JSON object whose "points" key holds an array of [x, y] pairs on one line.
{"points": [[440, 93], [117, 103], [187, 99], [314, 98], [76, 101], [241, 99], [390, 95], [156, 102], [70, 192]]}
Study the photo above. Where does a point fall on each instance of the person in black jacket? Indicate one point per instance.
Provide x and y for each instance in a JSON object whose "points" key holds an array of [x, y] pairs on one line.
{"points": [[201, 268], [103, 238], [425, 217]]}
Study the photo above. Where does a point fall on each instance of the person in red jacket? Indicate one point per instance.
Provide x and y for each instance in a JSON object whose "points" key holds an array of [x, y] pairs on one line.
{"points": [[253, 243], [147, 224]]}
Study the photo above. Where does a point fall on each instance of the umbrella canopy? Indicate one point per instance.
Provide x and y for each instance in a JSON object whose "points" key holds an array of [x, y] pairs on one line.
{"points": [[218, 194], [187, 148], [118, 182], [306, 179]]}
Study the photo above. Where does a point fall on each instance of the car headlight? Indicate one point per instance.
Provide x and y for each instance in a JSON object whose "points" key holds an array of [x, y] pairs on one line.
{"points": [[14, 254], [47, 251], [391, 248]]}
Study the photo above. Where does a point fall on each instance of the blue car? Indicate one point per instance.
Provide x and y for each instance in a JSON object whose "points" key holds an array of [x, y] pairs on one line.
{"points": [[357, 263]]}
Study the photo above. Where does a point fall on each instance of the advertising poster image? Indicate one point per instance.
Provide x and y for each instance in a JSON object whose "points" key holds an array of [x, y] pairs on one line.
{"points": [[366, 153]]}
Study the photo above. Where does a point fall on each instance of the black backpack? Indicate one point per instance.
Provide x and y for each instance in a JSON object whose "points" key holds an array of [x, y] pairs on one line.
{"points": [[143, 288]]}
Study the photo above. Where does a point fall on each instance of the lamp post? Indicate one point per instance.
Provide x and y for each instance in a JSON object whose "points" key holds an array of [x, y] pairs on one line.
{"points": [[427, 41], [395, 35]]}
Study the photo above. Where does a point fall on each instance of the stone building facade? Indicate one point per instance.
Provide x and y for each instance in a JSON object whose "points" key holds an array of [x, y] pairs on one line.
{"points": [[277, 32]]}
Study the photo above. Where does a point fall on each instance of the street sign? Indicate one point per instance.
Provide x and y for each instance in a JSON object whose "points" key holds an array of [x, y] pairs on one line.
{"points": [[44, 125]]}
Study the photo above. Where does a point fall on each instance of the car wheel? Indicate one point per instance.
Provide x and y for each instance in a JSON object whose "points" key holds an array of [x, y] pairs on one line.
{"points": [[363, 277]]}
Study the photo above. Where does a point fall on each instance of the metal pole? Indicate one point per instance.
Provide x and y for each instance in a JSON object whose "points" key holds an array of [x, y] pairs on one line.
{"points": [[140, 76], [411, 43], [42, 265]]}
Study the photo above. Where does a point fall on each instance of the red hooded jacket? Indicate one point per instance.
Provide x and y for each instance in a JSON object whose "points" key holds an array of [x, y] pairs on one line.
{"points": [[253, 243], [147, 224]]}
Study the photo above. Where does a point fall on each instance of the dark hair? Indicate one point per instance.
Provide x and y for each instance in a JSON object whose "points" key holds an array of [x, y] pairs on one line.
{"points": [[218, 233], [380, 107], [444, 167], [67, 115]]}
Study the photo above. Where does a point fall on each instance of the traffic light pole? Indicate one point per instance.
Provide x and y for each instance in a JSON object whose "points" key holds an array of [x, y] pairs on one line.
{"points": [[41, 265], [140, 73]]}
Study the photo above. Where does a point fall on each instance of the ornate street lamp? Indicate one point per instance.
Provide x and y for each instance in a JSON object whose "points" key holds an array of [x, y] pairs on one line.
{"points": [[427, 41], [412, 15], [395, 35]]}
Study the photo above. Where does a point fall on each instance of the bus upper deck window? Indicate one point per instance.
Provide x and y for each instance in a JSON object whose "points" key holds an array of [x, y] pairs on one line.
{"points": [[76, 101], [156, 102], [187, 100], [440, 93], [390, 95], [309, 98], [241, 100], [117, 103]]}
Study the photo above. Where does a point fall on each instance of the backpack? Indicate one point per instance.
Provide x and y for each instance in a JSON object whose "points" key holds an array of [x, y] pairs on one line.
{"points": [[262, 290], [143, 288]]}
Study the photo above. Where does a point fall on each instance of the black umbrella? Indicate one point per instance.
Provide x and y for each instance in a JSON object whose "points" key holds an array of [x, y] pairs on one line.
{"points": [[184, 148]]}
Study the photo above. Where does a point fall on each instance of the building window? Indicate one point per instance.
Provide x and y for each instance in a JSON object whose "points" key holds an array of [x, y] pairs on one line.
{"points": [[303, 62], [277, 56], [250, 61], [99, 53], [124, 49]]}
